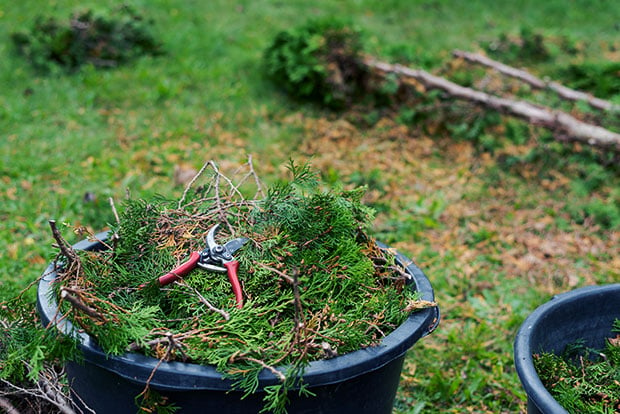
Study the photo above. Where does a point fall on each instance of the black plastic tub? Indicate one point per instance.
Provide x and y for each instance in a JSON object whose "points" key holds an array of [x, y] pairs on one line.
{"points": [[364, 381], [582, 314]]}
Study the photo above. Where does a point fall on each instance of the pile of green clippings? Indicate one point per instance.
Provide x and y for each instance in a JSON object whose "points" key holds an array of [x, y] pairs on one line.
{"points": [[315, 285], [584, 380]]}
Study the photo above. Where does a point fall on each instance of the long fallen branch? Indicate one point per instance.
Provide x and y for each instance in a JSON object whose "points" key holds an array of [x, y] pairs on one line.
{"points": [[562, 91], [569, 127]]}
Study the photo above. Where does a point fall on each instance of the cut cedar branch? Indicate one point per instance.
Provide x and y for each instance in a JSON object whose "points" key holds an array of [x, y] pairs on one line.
{"points": [[537, 83], [567, 127]]}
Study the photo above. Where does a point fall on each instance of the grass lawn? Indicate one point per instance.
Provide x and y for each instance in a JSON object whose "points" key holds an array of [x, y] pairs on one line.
{"points": [[496, 237]]}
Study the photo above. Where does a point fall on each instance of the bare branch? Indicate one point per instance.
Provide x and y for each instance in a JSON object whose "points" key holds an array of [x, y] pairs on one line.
{"points": [[64, 247], [299, 323], [192, 181], [204, 301], [562, 91], [78, 304], [558, 121], [113, 206], [274, 371], [259, 186], [283, 275]]}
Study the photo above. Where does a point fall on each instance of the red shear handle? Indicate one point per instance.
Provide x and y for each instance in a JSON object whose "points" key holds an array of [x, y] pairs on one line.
{"points": [[234, 281], [180, 271]]}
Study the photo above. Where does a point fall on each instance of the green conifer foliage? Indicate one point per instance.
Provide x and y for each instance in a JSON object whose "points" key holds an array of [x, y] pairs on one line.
{"points": [[581, 379], [315, 284], [320, 61]]}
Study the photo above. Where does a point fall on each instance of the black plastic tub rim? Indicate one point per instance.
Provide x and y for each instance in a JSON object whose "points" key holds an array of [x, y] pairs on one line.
{"points": [[547, 318], [175, 375]]}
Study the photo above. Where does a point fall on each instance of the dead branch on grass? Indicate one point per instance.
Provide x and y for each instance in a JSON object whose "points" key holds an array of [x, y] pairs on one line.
{"points": [[537, 83], [567, 127]]}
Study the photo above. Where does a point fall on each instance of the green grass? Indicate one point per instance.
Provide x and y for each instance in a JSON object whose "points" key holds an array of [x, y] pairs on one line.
{"points": [[479, 227]]}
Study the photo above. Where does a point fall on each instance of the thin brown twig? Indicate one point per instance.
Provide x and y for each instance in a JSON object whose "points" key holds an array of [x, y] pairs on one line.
{"points": [[233, 188], [49, 384], [174, 345], [134, 346], [274, 371], [259, 186], [115, 237], [77, 303], [204, 301], [373, 325], [283, 275], [251, 173], [218, 200], [164, 339], [147, 384], [402, 274], [95, 298], [30, 285], [299, 323], [191, 183], [64, 247], [315, 332], [114, 211], [329, 229]]}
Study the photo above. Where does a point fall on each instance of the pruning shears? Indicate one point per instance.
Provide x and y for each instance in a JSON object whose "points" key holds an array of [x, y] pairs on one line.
{"points": [[215, 257]]}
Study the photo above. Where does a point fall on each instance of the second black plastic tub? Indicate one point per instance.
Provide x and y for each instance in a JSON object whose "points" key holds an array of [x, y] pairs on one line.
{"points": [[364, 381], [582, 314]]}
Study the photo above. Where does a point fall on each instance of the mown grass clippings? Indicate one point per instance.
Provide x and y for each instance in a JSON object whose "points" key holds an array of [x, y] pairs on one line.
{"points": [[315, 284], [581, 379]]}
